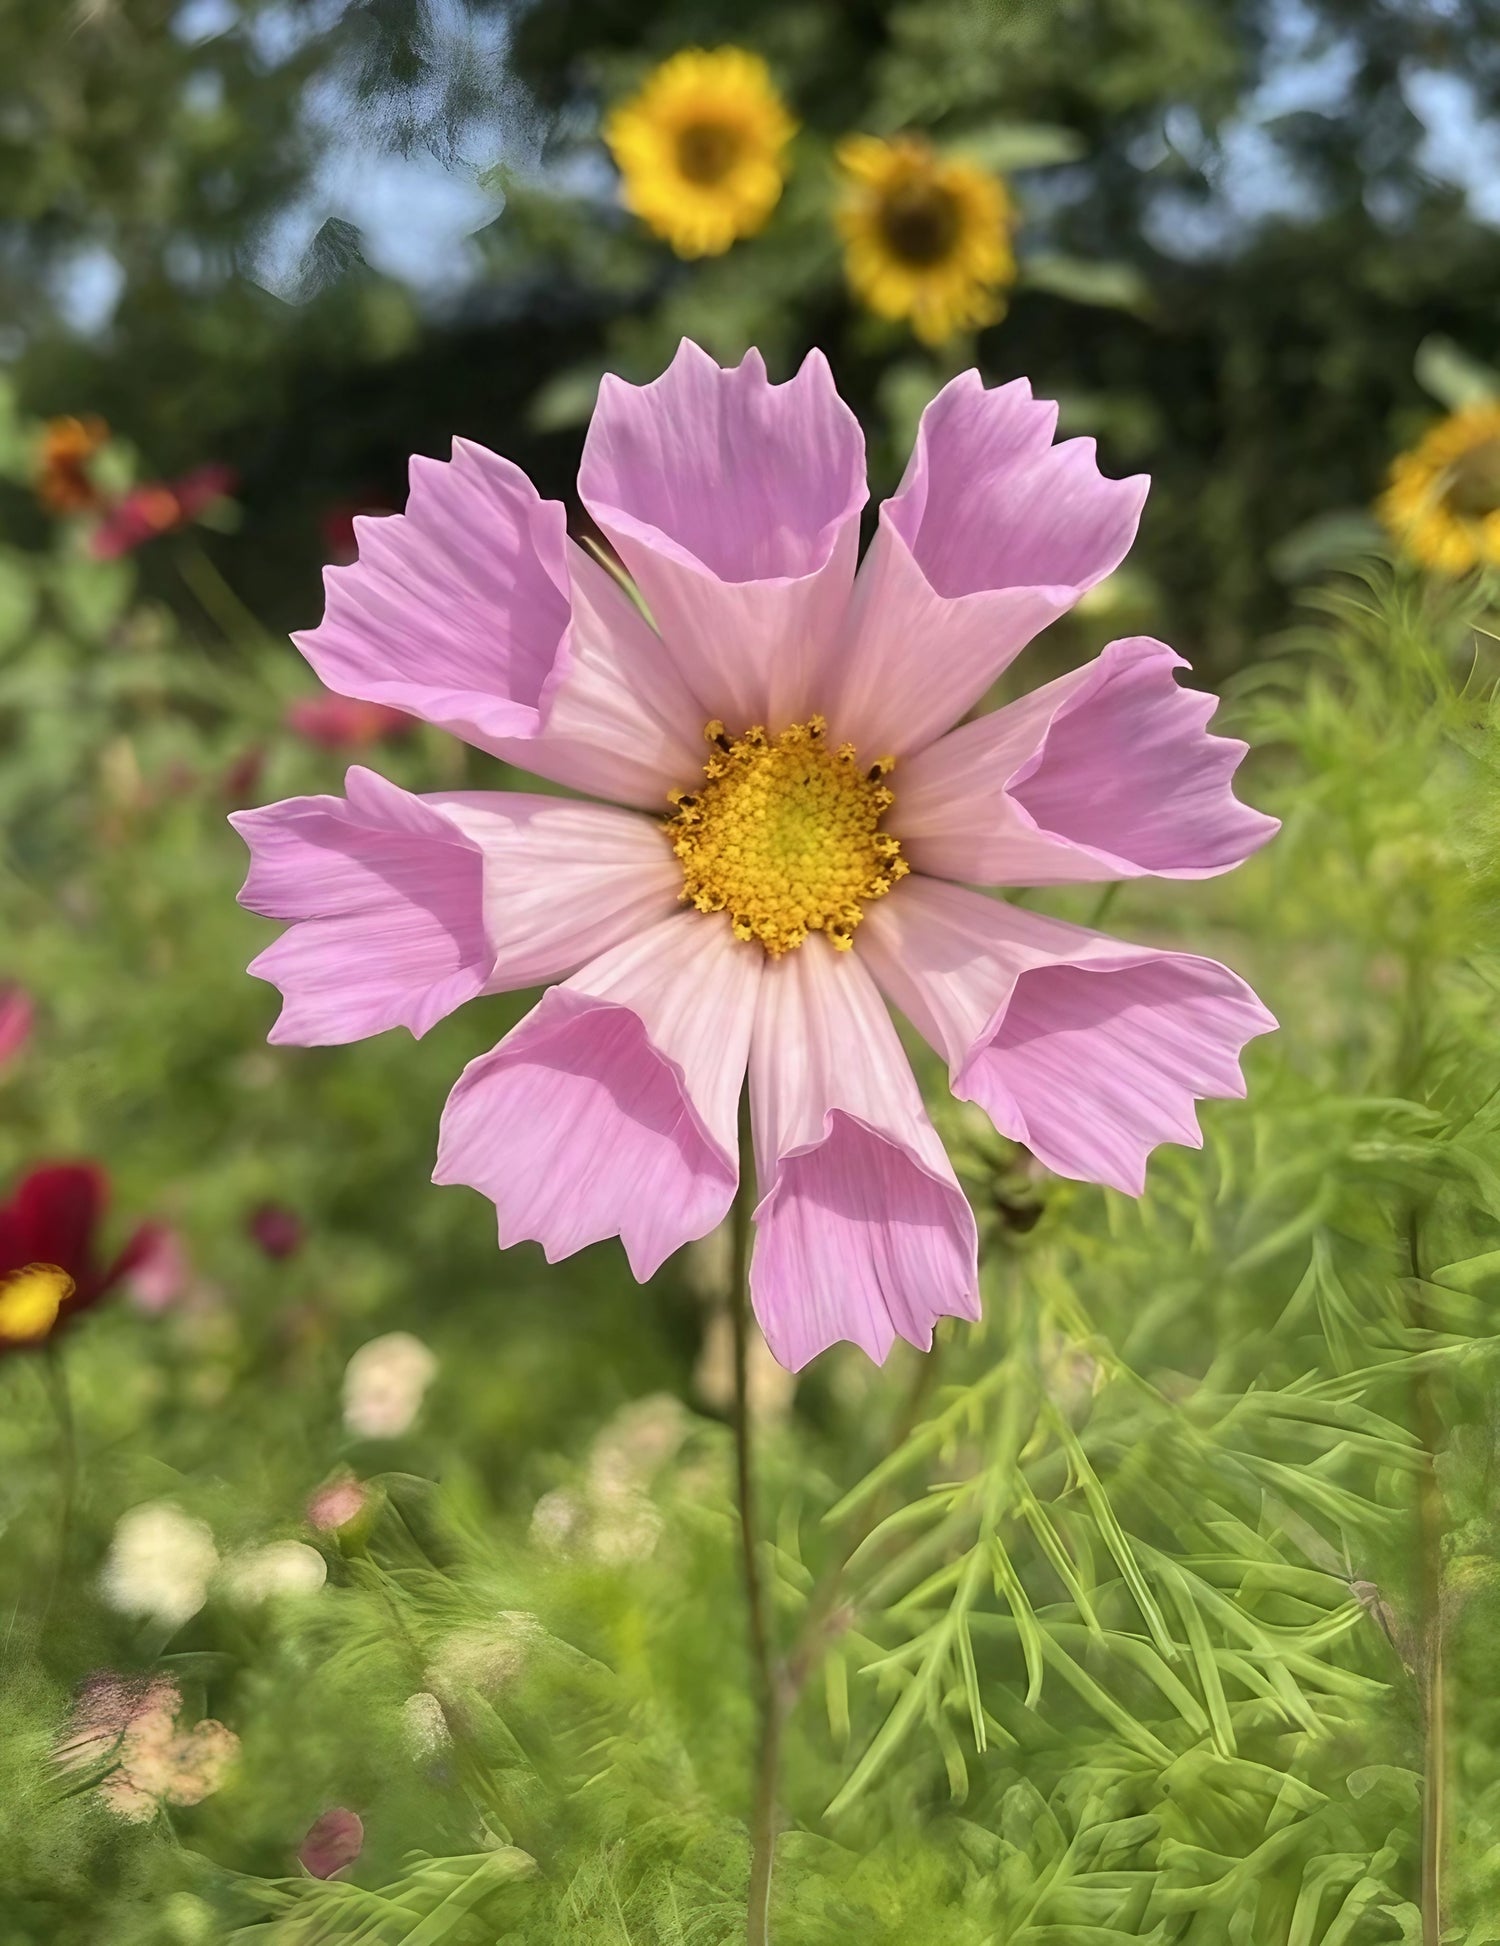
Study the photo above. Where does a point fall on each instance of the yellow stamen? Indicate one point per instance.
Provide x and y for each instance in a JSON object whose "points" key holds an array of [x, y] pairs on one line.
{"points": [[30, 1300], [784, 835]]}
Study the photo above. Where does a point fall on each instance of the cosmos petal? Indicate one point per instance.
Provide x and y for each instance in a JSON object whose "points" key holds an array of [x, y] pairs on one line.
{"points": [[1108, 772], [621, 723], [457, 610], [1089, 1051], [563, 881], [993, 533], [404, 907], [735, 504], [862, 1230], [611, 1109]]}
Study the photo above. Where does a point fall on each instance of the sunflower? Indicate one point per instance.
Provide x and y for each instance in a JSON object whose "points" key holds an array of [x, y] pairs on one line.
{"points": [[700, 149], [1443, 500], [926, 237]]}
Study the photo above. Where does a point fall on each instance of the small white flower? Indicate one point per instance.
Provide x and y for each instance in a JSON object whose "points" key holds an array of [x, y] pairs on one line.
{"points": [[557, 1519], [384, 1384], [160, 1563], [423, 1725], [257, 1574]]}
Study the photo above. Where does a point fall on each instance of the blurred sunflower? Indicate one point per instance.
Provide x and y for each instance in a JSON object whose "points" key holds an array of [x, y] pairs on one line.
{"points": [[926, 237], [700, 149], [1442, 504]]}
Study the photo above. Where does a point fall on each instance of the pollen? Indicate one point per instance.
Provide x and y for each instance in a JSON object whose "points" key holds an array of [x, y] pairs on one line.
{"points": [[30, 1300], [784, 835]]}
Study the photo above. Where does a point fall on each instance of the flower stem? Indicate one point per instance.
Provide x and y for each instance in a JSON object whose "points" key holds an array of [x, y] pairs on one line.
{"points": [[763, 1670], [1429, 1541], [218, 600], [56, 1377]]}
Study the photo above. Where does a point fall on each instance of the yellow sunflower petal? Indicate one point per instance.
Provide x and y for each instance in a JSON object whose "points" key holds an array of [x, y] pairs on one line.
{"points": [[1441, 504], [700, 149], [926, 238]]}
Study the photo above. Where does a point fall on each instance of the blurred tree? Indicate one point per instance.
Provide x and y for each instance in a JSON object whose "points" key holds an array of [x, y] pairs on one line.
{"points": [[1233, 242]]}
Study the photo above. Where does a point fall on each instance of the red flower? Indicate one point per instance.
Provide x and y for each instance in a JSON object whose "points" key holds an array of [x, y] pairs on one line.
{"points": [[159, 507], [340, 723], [51, 1222], [242, 776], [277, 1230], [340, 542]]}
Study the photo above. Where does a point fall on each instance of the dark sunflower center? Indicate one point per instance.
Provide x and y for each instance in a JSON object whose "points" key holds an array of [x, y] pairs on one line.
{"points": [[1472, 486], [707, 151], [920, 222]]}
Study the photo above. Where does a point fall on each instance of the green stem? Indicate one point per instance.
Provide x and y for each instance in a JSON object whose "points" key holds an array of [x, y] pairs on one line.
{"points": [[1429, 1429], [764, 1674], [215, 596], [56, 1377]]}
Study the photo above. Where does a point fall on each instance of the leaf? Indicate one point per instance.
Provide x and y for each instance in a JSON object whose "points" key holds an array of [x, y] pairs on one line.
{"points": [[1453, 377], [567, 399], [836, 1697], [1330, 540], [1115, 286], [1204, 1661], [1048, 1539], [1008, 146], [1008, 1584], [92, 594], [1115, 1537], [18, 594]]}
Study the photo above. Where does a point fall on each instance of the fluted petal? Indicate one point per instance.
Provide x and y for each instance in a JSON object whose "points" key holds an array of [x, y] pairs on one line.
{"points": [[993, 533], [1089, 1051], [735, 504], [457, 610], [562, 881], [620, 722], [862, 1230], [611, 1109], [1106, 773], [404, 907], [386, 900]]}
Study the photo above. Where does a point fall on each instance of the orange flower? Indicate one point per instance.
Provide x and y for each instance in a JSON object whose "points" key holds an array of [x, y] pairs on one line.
{"points": [[63, 482]]}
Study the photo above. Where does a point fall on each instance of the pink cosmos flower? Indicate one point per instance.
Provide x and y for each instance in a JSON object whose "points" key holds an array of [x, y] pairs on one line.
{"points": [[794, 828]]}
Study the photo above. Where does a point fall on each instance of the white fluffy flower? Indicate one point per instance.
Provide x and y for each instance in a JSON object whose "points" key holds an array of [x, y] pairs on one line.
{"points": [[424, 1725], [257, 1574], [384, 1383], [160, 1563]]}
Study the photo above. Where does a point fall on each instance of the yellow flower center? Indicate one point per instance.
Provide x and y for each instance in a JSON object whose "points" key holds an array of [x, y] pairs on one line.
{"points": [[30, 1300], [1471, 489], [784, 835], [707, 151], [920, 221]]}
